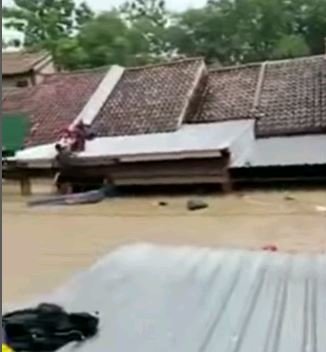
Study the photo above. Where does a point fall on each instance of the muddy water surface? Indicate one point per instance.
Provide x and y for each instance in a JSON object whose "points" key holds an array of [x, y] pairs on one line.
{"points": [[43, 247]]}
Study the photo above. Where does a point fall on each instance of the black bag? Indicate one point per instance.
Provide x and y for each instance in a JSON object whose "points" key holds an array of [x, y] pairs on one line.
{"points": [[46, 328]]}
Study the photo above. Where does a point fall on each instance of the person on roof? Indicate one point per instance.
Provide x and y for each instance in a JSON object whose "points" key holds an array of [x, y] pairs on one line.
{"points": [[80, 137], [67, 139], [81, 133]]}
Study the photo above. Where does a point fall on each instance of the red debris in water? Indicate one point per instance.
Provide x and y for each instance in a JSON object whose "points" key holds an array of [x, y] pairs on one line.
{"points": [[270, 247]]}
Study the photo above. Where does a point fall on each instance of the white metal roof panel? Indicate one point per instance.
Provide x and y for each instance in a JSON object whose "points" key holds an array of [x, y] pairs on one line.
{"points": [[188, 139], [286, 151], [195, 138], [99, 97], [202, 300]]}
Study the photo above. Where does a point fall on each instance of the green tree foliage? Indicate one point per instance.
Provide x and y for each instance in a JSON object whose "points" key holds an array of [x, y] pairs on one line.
{"points": [[151, 18], [252, 30], [135, 34], [108, 40], [143, 31], [46, 22], [105, 40], [290, 46], [153, 10]]}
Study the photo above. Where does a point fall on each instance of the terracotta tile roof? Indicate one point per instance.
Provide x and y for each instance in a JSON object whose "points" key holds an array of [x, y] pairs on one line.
{"points": [[14, 63], [54, 104], [150, 99], [229, 94], [15, 99], [293, 97]]}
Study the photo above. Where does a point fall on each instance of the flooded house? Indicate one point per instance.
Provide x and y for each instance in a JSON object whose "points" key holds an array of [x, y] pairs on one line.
{"points": [[25, 69], [178, 123]]}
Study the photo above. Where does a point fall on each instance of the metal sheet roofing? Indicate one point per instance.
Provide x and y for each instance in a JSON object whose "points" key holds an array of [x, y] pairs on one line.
{"points": [[202, 300], [189, 139], [287, 151]]}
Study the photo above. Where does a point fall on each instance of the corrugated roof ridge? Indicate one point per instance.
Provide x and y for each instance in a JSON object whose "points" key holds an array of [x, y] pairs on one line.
{"points": [[260, 85], [201, 72]]}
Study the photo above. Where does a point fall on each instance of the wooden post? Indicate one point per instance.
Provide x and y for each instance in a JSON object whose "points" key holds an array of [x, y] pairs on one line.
{"points": [[65, 188], [25, 186], [227, 182]]}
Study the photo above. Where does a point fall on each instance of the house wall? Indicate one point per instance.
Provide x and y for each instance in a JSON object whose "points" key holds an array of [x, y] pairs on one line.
{"points": [[13, 80], [45, 69], [187, 171], [11, 188], [174, 172], [33, 77]]}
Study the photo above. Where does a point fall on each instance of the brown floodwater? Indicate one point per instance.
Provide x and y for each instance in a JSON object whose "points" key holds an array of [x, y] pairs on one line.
{"points": [[43, 247]]}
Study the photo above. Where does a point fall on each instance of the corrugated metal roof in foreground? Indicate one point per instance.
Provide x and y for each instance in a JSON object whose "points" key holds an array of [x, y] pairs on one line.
{"points": [[286, 151], [202, 300]]}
